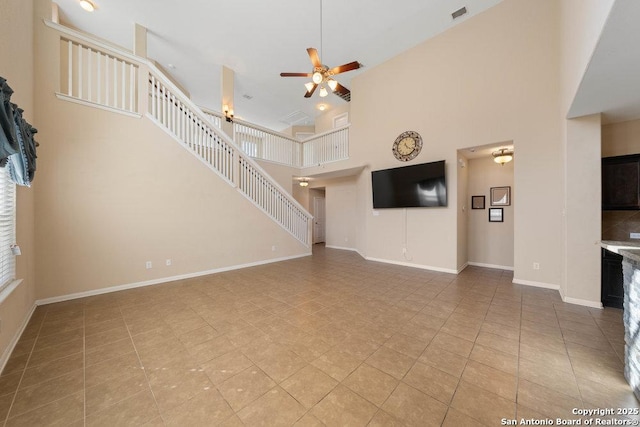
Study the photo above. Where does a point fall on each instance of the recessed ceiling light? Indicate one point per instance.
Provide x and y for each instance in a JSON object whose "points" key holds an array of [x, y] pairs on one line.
{"points": [[87, 5], [322, 107]]}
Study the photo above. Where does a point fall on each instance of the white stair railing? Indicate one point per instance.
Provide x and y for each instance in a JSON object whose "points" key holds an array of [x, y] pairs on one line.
{"points": [[216, 118], [134, 83], [94, 76], [174, 112]]}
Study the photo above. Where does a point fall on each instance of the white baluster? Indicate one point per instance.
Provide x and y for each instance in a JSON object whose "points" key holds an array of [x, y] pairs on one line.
{"points": [[124, 85], [89, 74], [107, 91], [133, 86], [80, 49], [99, 76], [70, 69], [115, 82]]}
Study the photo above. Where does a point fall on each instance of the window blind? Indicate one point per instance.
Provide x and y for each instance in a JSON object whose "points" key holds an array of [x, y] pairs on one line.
{"points": [[7, 228]]}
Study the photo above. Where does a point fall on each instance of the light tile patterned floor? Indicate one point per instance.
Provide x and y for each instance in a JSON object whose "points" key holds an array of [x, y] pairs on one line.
{"points": [[324, 340]]}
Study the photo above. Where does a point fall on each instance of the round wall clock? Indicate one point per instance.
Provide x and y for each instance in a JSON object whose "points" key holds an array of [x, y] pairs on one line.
{"points": [[407, 146]]}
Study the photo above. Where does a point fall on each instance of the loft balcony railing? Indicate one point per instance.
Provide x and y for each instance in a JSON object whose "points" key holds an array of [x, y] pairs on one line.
{"points": [[265, 144]]}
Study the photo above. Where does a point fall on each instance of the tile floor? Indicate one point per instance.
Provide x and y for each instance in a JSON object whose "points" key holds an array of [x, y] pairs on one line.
{"points": [[324, 340]]}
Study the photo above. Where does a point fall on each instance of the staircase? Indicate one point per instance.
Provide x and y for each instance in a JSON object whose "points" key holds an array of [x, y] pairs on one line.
{"points": [[100, 75]]}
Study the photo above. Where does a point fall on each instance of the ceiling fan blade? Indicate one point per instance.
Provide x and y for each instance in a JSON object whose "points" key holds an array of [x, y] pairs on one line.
{"points": [[343, 92], [310, 92], [346, 67], [313, 55], [295, 74]]}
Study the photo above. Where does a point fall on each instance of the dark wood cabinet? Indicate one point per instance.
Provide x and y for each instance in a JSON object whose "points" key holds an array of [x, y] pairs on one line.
{"points": [[621, 182], [612, 279]]}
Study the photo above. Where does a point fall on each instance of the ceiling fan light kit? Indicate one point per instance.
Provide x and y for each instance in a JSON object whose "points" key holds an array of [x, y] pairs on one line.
{"points": [[322, 74]]}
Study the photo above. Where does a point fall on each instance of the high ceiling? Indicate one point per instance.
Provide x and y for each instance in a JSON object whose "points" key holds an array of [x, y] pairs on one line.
{"points": [[193, 39], [611, 83]]}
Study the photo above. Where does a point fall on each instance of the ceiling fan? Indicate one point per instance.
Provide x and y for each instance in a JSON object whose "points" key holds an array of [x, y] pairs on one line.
{"points": [[322, 75]]}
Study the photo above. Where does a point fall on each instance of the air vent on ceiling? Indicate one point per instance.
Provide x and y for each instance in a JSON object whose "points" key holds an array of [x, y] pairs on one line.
{"points": [[245, 96], [295, 118], [458, 13]]}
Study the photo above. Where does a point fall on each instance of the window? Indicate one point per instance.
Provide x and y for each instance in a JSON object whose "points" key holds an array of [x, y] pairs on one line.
{"points": [[340, 120], [250, 148], [7, 228]]}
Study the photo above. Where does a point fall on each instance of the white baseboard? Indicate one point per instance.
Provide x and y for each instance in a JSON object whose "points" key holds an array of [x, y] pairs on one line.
{"points": [[408, 264], [461, 269], [12, 345], [341, 248], [536, 284], [498, 267], [160, 280], [578, 301], [568, 300]]}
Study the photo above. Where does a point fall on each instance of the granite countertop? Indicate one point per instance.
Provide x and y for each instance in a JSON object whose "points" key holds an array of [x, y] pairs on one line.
{"points": [[632, 254], [628, 249], [617, 246]]}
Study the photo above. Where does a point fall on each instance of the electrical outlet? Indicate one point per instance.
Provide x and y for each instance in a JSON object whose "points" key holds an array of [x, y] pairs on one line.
{"points": [[168, 262], [404, 250], [273, 248], [536, 266], [148, 265]]}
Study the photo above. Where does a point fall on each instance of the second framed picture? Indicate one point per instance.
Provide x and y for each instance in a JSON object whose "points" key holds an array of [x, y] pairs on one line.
{"points": [[500, 196]]}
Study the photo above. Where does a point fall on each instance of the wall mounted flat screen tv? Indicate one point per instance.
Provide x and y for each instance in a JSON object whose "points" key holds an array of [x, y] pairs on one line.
{"points": [[416, 186]]}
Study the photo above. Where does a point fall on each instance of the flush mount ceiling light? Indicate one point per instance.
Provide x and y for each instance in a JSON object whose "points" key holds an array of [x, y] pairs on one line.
{"points": [[502, 156], [87, 5]]}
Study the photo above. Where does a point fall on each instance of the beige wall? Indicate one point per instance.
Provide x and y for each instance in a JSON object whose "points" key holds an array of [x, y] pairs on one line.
{"points": [[117, 191], [324, 122], [619, 139], [583, 211], [17, 64], [581, 23], [341, 197], [16, 49], [491, 243], [282, 174], [462, 168], [464, 98]]}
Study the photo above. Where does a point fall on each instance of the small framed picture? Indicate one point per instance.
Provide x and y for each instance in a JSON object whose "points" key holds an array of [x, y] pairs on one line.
{"points": [[496, 215], [500, 196], [477, 202]]}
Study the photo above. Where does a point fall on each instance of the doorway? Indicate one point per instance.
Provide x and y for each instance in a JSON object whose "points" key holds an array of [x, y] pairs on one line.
{"points": [[486, 196], [319, 233]]}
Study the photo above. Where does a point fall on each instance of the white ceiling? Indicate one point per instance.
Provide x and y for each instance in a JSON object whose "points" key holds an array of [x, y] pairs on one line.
{"points": [[611, 83], [260, 39]]}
